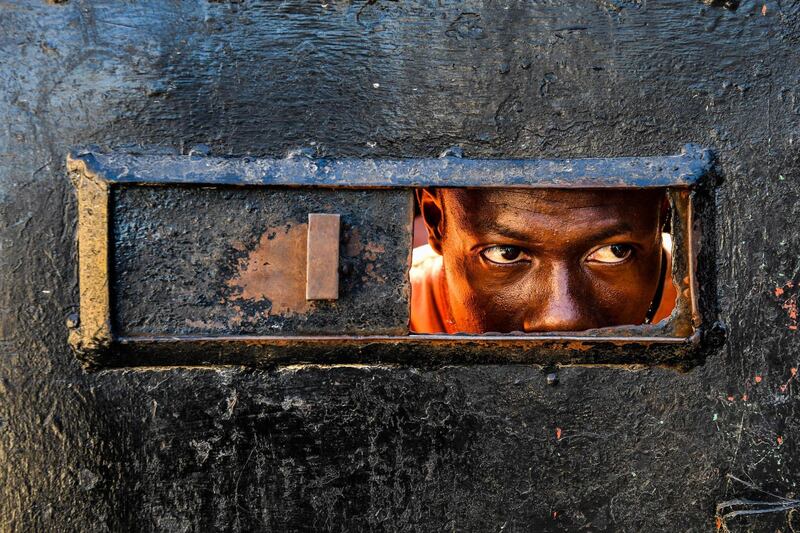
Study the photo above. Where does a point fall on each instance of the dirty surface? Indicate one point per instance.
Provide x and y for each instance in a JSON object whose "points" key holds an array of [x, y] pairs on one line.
{"points": [[232, 261], [398, 448]]}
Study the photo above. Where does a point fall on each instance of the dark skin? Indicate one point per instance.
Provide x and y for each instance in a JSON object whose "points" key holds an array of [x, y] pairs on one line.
{"points": [[546, 259]]}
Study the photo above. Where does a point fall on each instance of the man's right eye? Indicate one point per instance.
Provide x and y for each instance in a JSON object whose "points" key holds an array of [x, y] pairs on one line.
{"points": [[504, 255]]}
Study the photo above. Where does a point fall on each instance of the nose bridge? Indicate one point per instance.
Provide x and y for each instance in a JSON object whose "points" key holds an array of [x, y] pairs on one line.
{"points": [[562, 307]]}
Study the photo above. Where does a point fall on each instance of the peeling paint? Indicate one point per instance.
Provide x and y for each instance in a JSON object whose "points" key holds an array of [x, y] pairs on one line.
{"points": [[276, 271]]}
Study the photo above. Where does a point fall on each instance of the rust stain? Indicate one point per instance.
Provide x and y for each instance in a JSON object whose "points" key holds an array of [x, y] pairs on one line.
{"points": [[372, 271], [370, 252], [213, 324], [276, 271], [353, 247], [237, 319], [373, 250]]}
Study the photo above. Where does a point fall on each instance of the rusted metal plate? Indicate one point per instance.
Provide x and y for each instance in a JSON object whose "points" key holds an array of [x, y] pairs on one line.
{"points": [[232, 261], [322, 257]]}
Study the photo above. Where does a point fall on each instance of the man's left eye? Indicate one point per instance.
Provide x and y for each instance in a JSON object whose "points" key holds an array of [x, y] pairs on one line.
{"points": [[609, 255], [504, 255]]}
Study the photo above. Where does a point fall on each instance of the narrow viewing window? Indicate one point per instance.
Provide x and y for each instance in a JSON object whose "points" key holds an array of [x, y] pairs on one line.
{"points": [[540, 260], [201, 260]]}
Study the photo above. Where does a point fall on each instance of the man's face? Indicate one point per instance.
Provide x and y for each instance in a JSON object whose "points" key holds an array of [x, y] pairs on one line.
{"points": [[546, 259]]}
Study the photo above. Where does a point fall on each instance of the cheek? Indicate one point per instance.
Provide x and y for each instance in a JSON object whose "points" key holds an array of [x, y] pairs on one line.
{"points": [[625, 295], [487, 299]]}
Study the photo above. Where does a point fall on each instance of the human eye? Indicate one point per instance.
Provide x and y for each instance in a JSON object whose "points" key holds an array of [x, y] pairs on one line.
{"points": [[611, 254], [505, 254]]}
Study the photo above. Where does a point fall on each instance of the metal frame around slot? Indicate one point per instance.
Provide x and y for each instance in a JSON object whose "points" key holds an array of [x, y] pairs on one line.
{"points": [[674, 341]]}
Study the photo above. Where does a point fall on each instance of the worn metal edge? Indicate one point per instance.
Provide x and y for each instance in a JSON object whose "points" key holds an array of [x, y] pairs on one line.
{"points": [[682, 319], [509, 340], [682, 170], [413, 350], [92, 332], [693, 240]]}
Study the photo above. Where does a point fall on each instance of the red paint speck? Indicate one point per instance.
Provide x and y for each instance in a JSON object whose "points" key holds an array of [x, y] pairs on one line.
{"points": [[758, 379], [558, 433], [790, 304], [780, 440]]}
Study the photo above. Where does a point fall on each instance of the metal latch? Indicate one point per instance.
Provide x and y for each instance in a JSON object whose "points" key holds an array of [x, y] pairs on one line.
{"points": [[322, 257]]}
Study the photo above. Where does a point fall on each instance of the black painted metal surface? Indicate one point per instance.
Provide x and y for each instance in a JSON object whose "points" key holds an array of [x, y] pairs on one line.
{"points": [[383, 447]]}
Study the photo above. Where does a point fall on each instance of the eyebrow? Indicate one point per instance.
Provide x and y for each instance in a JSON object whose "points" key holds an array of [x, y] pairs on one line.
{"points": [[563, 203], [619, 228]]}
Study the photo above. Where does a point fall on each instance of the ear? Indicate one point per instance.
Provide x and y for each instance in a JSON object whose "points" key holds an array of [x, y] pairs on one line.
{"points": [[430, 205]]}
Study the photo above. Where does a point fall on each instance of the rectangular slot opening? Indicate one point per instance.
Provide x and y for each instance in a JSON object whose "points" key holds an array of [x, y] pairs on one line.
{"points": [[540, 260], [197, 260]]}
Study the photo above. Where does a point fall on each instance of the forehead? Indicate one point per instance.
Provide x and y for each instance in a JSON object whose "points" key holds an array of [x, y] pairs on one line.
{"points": [[544, 210]]}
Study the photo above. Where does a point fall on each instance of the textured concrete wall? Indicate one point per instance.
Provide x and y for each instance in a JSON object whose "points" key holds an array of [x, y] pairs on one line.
{"points": [[485, 448]]}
